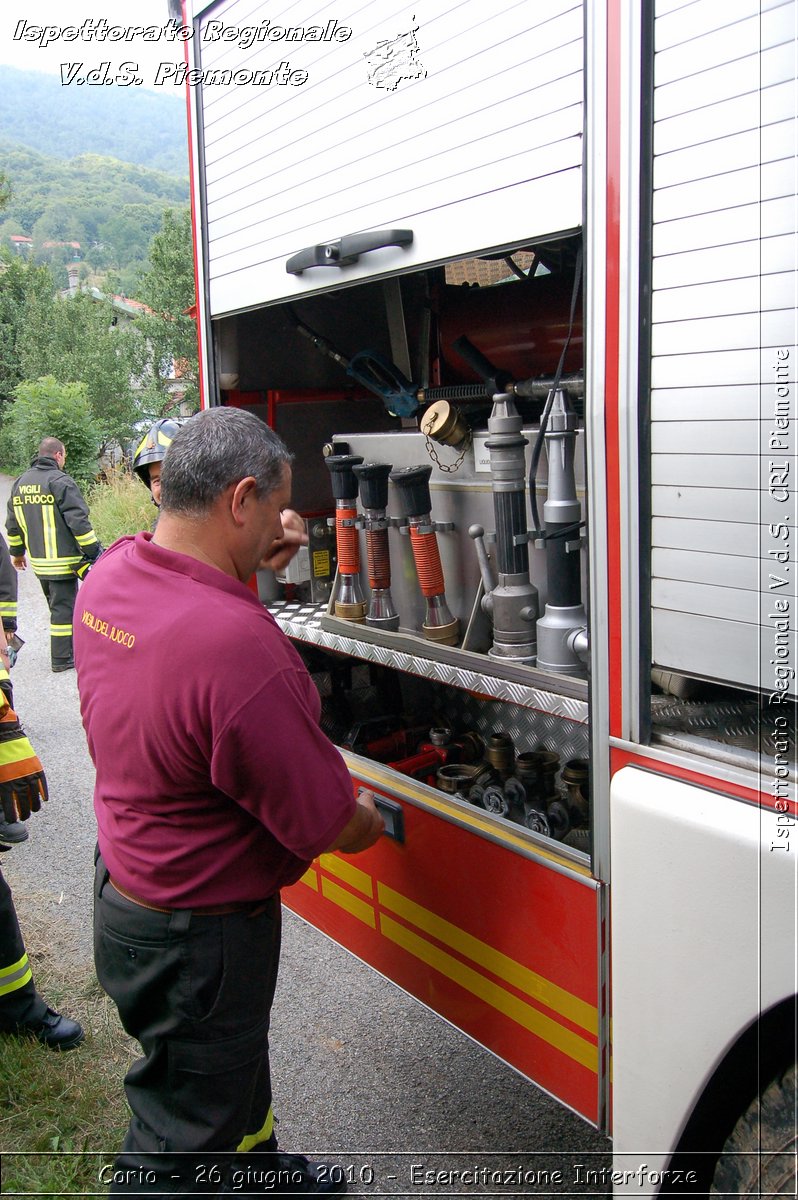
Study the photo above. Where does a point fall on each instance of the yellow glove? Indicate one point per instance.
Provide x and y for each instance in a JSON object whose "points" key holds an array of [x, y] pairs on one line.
{"points": [[23, 785]]}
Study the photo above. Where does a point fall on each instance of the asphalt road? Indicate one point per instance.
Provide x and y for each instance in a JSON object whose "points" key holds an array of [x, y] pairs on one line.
{"points": [[361, 1071]]}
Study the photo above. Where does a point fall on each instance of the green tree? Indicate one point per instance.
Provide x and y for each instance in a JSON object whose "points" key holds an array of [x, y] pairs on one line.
{"points": [[167, 287], [127, 234], [20, 284], [78, 339], [46, 408], [58, 223]]}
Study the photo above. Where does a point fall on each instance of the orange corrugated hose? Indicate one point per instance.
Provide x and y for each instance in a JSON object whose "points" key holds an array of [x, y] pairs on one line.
{"points": [[428, 562], [379, 565], [347, 542]]}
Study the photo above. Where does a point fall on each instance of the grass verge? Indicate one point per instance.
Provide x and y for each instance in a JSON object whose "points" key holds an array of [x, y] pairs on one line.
{"points": [[120, 505], [62, 1116]]}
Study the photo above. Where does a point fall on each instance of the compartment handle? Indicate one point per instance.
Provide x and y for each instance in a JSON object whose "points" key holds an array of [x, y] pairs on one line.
{"points": [[393, 816], [346, 250]]}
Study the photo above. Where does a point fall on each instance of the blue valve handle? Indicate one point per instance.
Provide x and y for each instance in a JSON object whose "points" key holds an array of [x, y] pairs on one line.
{"points": [[384, 379]]}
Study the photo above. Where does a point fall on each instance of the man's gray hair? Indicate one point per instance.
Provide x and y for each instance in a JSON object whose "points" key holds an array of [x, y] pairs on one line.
{"points": [[215, 448]]}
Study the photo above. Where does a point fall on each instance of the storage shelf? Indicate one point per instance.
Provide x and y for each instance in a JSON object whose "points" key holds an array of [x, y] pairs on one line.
{"points": [[563, 697]]}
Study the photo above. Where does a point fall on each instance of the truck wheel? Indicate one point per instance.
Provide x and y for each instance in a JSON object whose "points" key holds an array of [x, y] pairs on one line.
{"points": [[759, 1159]]}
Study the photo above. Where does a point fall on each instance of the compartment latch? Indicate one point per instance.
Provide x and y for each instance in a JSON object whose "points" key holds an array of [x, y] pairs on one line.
{"points": [[393, 816], [346, 250]]}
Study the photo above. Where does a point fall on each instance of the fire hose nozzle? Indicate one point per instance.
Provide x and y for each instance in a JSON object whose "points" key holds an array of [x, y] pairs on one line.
{"points": [[349, 602], [562, 634], [512, 599], [373, 480], [412, 484]]}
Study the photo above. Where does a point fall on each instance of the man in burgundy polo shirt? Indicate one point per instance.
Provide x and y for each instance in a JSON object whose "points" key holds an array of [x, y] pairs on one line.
{"points": [[215, 788]]}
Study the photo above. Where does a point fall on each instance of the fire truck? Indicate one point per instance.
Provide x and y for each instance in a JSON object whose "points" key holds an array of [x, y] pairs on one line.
{"points": [[517, 285]]}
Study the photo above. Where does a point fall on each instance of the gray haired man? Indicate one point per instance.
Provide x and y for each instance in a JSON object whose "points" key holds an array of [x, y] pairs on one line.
{"points": [[215, 788]]}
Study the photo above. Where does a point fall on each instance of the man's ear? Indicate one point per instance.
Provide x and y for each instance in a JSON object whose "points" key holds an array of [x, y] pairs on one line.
{"points": [[243, 494]]}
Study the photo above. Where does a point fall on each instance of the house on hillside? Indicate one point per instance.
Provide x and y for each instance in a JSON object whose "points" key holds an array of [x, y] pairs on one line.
{"points": [[20, 243], [63, 246], [125, 312]]}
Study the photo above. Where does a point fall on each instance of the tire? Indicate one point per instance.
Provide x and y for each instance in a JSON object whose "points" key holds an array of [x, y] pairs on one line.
{"points": [[759, 1159]]}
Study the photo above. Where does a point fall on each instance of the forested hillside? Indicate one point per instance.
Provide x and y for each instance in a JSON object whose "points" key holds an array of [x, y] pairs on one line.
{"points": [[81, 229], [131, 124], [111, 209]]}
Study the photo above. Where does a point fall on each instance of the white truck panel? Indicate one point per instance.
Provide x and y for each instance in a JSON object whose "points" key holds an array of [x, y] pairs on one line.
{"points": [[679, 853], [772, 67], [726, 297], [713, 648], [713, 156], [748, 365], [723, 227], [711, 437], [773, 328], [719, 570], [723, 437], [721, 601], [722, 42], [678, 26], [482, 149], [730, 402], [715, 536]]}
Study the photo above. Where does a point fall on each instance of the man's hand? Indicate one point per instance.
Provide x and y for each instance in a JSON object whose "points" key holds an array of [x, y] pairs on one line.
{"points": [[364, 828], [283, 549], [21, 563]]}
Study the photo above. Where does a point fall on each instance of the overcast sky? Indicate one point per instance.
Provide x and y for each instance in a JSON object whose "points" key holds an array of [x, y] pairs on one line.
{"points": [[31, 56]]}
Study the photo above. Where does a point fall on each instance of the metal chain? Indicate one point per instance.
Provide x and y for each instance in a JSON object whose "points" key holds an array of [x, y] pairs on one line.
{"points": [[449, 468]]}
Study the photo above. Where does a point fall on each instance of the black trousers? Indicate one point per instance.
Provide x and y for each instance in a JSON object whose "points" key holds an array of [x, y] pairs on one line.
{"points": [[196, 992], [19, 1000], [61, 595]]}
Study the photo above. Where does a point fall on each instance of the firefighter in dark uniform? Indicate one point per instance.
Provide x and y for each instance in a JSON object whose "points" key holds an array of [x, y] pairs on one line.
{"points": [[8, 592], [23, 787], [48, 517]]}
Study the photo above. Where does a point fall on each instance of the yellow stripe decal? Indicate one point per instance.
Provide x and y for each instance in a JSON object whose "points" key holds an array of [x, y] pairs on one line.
{"points": [[358, 908], [356, 878], [548, 1030], [86, 539], [485, 956]]}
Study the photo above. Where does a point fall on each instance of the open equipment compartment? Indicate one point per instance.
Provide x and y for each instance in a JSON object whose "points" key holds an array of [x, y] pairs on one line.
{"points": [[477, 755]]}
